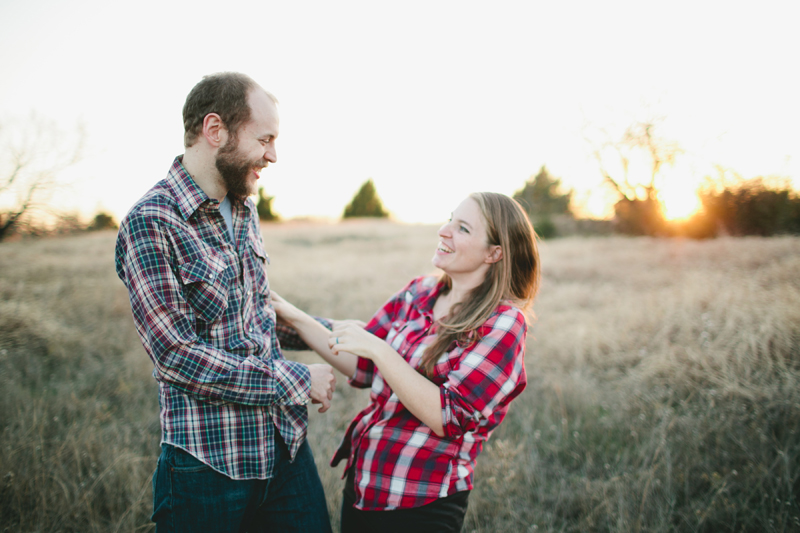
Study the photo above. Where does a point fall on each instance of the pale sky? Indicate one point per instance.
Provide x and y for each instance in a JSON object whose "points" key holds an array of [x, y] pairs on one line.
{"points": [[430, 99]]}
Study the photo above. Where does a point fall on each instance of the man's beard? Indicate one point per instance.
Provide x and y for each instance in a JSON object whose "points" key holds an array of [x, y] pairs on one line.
{"points": [[235, 169]]}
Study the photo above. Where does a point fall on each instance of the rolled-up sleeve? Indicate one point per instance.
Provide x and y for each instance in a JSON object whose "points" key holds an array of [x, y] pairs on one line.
{"points": [[487, 376]]}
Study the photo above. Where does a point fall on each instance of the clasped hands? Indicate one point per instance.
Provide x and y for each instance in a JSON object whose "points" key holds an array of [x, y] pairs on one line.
{"points": [[350, 336], [346, 336]]}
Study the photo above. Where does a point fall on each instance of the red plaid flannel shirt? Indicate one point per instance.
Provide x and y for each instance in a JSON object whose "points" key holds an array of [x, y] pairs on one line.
{"points": [[399, 462], [200, 305]]}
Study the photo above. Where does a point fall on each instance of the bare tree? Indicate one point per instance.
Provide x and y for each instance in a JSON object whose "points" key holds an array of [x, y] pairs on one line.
{"points": [[33, 152], [639, 209]]}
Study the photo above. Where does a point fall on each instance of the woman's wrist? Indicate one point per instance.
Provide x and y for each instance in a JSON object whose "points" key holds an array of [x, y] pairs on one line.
{"points": [[382, 354], [296, 317], [289, 314]]}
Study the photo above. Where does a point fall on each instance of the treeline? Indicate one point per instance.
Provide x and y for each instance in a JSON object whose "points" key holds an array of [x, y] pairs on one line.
{"points": [[752, 207], [61, 224], [736, 208], [744, 207]]}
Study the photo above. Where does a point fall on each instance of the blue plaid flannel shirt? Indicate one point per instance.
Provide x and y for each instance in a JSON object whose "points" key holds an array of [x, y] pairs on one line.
{"points": [[201, 307]]}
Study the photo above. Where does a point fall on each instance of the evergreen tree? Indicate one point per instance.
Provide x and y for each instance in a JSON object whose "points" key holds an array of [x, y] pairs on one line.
{"points": [[264, 207], [102, 221], [541, 196], [366, 203]]}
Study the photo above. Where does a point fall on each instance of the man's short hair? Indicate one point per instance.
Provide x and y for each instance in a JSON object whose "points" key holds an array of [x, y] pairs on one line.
{"points": [[225, 94]]}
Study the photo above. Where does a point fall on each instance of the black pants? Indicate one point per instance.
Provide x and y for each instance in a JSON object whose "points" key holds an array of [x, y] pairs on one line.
{"points": [[444, 515]]}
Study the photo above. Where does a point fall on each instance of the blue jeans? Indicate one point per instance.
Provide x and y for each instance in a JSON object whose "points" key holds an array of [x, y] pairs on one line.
{"points": [[188, 495]]}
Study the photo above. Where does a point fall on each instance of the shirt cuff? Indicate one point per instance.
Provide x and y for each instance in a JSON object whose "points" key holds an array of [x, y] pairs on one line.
{"points": [[294, 382], [363, 374], [455, 419]]}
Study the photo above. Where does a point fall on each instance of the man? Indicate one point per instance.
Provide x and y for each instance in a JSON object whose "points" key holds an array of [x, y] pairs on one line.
{"points": [[233, 410]]}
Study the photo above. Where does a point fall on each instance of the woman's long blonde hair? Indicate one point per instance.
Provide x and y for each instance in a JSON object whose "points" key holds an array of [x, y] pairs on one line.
{"points": [[515, 277]]}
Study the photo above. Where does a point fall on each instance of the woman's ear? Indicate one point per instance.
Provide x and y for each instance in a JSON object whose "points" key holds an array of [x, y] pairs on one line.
{"points": [[495, 254]]}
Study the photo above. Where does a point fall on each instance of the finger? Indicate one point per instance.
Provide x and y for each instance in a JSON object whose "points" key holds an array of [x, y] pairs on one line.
{"points": [[325, 406], [333, 342], [331, 386]]}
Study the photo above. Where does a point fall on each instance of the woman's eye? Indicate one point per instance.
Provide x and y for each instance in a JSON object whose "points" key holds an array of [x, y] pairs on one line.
{"points": [[465, 230]]}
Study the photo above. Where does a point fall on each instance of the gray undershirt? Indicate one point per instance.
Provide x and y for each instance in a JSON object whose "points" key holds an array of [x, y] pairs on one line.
{"points": [[227, 214]]}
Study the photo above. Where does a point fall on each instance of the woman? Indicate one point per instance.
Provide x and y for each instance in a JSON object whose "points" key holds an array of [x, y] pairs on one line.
{"points": [[444, 359]]}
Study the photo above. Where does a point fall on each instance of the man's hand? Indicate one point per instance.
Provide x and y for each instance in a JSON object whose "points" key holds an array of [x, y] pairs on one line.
{"points": [[323, 383]]}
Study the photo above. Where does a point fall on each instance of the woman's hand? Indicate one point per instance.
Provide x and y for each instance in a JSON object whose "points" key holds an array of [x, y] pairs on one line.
{"points": [[287, 313], [350, 336], [342, 323], [417, 393]]}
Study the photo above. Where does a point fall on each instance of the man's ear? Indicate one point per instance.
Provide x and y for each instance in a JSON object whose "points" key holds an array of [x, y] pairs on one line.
{"points": [[214, 130], [495, 254]]}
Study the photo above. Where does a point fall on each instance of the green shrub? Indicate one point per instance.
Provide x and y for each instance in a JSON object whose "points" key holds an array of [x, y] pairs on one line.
{"points": [[366, 203], [264, 207], [753, 208]]}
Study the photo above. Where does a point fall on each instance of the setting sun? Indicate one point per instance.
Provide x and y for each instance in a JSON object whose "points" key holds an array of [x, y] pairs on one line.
{"points": [[679, 203]]}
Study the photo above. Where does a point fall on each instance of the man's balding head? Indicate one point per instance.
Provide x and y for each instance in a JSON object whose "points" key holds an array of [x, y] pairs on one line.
{"points": [[226, 95]]}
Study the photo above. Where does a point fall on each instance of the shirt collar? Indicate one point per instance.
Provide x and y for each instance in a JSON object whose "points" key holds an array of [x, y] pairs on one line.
{"points": [[187, 193], [427, 299]]}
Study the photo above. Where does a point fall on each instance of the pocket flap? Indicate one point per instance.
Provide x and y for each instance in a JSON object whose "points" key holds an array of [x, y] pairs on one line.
{"points": [[259, 251], [206, 269]]}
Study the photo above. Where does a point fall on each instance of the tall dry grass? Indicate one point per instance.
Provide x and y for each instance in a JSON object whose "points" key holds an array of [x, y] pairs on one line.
{"points": [[663, 382]]}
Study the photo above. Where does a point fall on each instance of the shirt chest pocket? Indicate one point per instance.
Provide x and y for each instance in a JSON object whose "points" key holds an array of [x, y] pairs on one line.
{"points": [[256, 261], [206, 284], [397, 336]]}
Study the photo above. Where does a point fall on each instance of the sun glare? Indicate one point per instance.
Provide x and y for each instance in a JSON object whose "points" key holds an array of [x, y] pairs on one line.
{"points": [[679, 203]]}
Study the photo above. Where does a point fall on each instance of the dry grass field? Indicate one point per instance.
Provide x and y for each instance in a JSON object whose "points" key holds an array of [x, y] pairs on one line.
{"points": [[664, 382]]}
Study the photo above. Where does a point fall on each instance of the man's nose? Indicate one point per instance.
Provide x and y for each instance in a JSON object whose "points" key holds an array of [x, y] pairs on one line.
{"points": [[270, 154]]}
